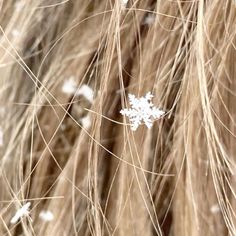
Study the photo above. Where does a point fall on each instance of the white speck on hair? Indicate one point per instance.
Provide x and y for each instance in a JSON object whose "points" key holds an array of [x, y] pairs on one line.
{"points": [[15, 33], [93, 211], [19, 5], [86, 91], [124, 3], [1, 136], [46, 215], [142, 109], [63, 127], [69, 86], [149, 19], [23, 211], [215, 209], [86, 122]]}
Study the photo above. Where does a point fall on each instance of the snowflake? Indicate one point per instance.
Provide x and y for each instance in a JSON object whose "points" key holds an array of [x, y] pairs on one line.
{"points": [[124, 3], [149, 19], [19, 5], [46, 215], [69, 87], [86, 121], [142, 109], [23, 211], [87, 92]]}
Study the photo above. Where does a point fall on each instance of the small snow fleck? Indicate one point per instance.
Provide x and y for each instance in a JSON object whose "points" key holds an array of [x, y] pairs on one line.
{"points": [[23, 211], [142, 109], [46, 215], [19, 5], [149, 19], [86, 122], [15, 33], [69, 86], [86, 91], [124, 3], [215, 209]]}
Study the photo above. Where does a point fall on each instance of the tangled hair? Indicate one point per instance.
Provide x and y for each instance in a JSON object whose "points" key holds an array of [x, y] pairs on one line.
{"points": [[72, 155]]}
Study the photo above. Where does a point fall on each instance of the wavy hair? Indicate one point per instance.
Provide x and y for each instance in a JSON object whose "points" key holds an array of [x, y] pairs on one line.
{"points": [[70, 164]]}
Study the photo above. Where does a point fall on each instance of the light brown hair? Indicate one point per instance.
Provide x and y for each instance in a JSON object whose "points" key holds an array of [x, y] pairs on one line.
{"points": [[177, 178]]}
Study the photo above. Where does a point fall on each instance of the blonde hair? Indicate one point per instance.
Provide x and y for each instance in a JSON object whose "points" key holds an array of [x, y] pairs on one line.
{"points": [[77, 158]]}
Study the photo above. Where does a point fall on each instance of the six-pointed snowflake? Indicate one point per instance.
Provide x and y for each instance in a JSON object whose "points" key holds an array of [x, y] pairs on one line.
{"points": [[142, 109]]}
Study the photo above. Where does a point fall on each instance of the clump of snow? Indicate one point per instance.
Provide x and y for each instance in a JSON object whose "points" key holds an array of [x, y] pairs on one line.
{"points": [[19, 5], [124, 3], [23, 211], [215, 209], [15, 33], [149, 19], [69, 86], [86, 122], [46, 215], [86, 91]]}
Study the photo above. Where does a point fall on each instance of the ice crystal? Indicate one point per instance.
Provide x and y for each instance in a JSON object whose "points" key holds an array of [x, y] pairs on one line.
{"points": [[86, 122], [142, 109], [19, 5], [23, 211], [86, 91], [124, 3], [215, 208], [69, 87], [15, 33], [149, 19], [46, 215]]}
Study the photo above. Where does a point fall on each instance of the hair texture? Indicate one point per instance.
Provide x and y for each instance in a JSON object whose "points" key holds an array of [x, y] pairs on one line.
{"points": [[78, 159]]}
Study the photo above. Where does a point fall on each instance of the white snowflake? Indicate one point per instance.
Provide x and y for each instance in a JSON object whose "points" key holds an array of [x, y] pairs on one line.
{"points": [[124, 3], [149, 19], [142, 109], [69, 87], [86, 91], [23, 211], [46, 215], [86, 122], [19, 5], [15, 33], [215, 209]]}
